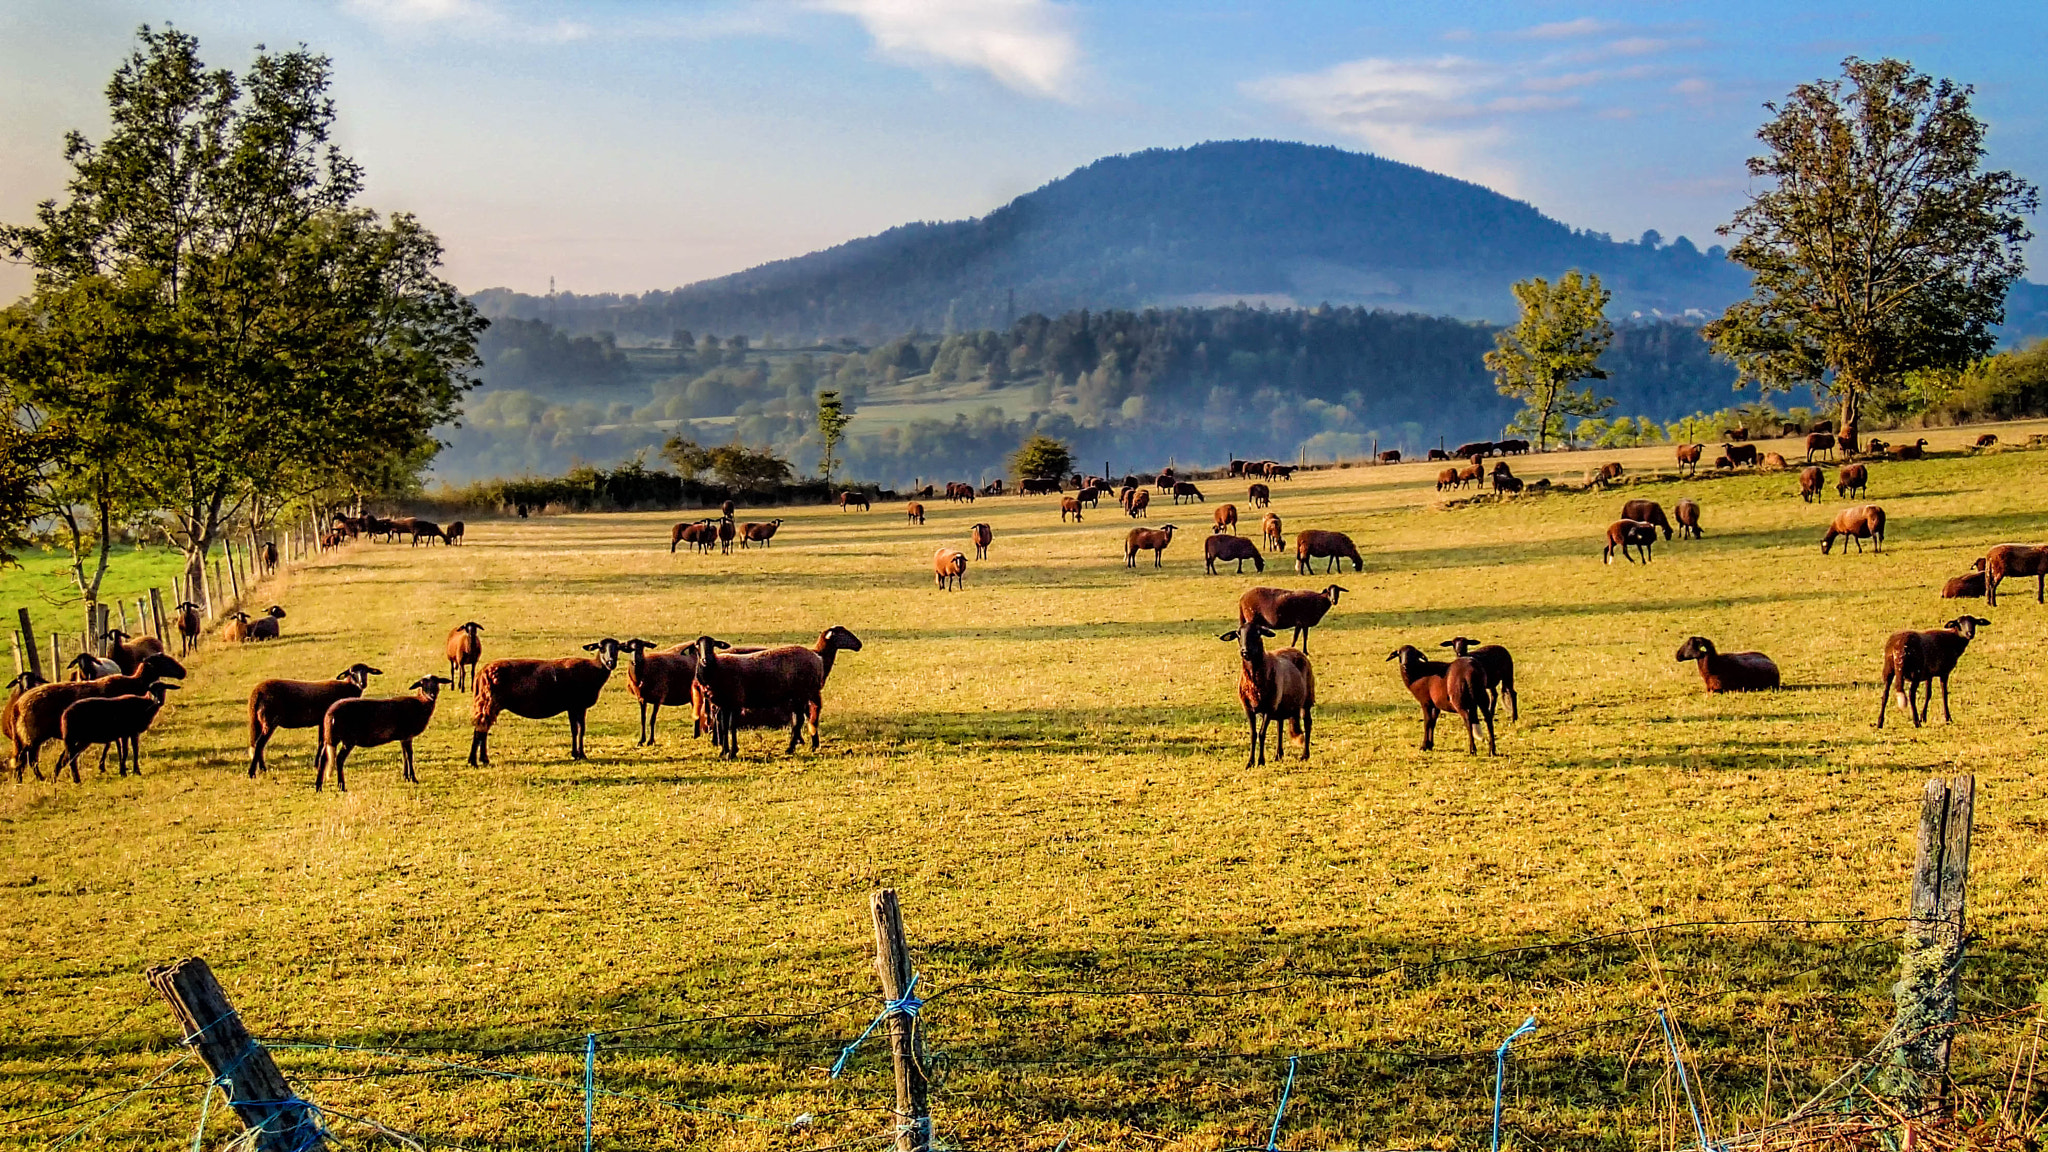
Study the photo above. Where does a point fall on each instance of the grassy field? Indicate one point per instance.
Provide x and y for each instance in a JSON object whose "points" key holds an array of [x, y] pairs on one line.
{"points": [[1123, 932], [42, 583]]}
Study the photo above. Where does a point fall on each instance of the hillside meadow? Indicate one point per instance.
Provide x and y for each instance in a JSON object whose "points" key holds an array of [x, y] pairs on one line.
{"points": [[1122, 933]]}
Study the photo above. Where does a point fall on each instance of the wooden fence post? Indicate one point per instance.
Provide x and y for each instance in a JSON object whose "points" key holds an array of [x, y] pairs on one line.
{"points": [[1931, 969], [56, 657], [28, 643], [255, 1088], [906, 1042], [213, 594], [156, 611], [20, 665]]}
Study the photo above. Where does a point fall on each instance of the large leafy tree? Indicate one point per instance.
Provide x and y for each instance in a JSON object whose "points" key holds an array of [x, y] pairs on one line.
{"points": [[1555, 344], [1877, 246], [292, 342], [1042, 458], [832, 421]]}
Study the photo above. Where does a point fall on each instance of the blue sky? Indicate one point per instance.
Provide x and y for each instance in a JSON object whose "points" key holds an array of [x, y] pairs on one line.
{"points": [[632, 145]]}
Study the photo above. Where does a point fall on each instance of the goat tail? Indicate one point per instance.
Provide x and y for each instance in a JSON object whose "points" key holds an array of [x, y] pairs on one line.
{"points": [[256, 721], [483, 706]]}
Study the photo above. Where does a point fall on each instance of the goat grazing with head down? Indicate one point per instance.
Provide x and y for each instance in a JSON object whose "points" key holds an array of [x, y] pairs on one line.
{"points": [[1273, 686]]}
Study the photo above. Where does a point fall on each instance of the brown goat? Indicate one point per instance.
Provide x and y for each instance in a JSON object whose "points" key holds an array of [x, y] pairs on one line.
{"points": [[1498, 664], [1284, 610], [263, 627], [1729, 671], [1688, 513], [1689, 457], [275, 704], [1819, 442], [1449, 478], [1968, 586], [1139, 502], [16, 689], [1141, 539], [1625, 534], [1609, 471], [1276, 539], [119, 721], [1259, 496], [1070, 506], [1273, 686], [1230, 547], [1647, 512], [981, 535], [771, 685], [1459, 686], [913, 513], [1864, 522], [2014, 560], [763, 533], [1810, 481], [366, 723], [1915, 658], [39, 714], [189, 623], [1226, 519], [949, 566], [1852, 478], [700, 534], [465, 648], [849, 498], [537, 690], [1314, 543], [128, 652]]}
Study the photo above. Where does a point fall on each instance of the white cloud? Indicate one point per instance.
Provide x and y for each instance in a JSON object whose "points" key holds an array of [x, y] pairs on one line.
{"points": [[1028, 45], [1565, 29], [462, 17], [1432, 112]]}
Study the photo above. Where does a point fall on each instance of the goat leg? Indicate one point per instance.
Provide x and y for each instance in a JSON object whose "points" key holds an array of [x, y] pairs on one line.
{"points": [[1945, 717]]}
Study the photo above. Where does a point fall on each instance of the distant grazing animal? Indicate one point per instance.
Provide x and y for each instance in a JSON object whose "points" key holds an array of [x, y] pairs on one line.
{"points": [[949, 567], [914, 513], [1231, 547], [1226, 519], [1164, 481], [264, 627], [993, 487], [1182, 490], [1236, 468], [1819, 442], [1271, 526], [726, 531], [1471, 474], [1914, 451], [1740, 453], [1773, 462], [270, 557], [925, 493], [189, 624], [366, 723], [1459, 686], [1389, 457], [752, 532], [1498, 665], [959, 492], [119, 721], [1689, 457], [1738, 434], [849, 498], [1141, 539], [1864, 522], [1315, 543], [1915, 658], [1647, 512], [1688, 513], [1070, 506], [1473, 450], [537, 690], [1968, 586], [726, 509], [453, 533], [1088, 497], [1450, 478], [1283, 610], [1625, 534], [2015, 560], [428, 529], [1512, 447], [1822, 426], [465, 648], [1810, 480], [701, 535], [1732, 671], [1038, 485], [1259, 496], [1438, 454], [275, 704], [1279, 471], [1140, 501], [1273, 686], [1851, 478], [981, 535], [1610, 471], [1986, 440]]}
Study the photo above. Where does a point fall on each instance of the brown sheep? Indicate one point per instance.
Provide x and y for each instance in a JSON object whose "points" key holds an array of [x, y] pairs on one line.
{"points": [[1472, 473], [1182, 490], [103, 720], [269, 557], [1226, 519], [949, 565], [1475, 450], [1088, 497], [755, 532], [1915, 451], [827, 647], [1647, 512], [1625, 534], [1140, 501], [912, 513], [1449, 478], [275, 704], [1389, 457], [1774, 462], [1730, 671], [1864, 522], [700, 534], [727, 508], [1275, 539], [1436, 454], [1609, 471], [1810, 480], [428, 529], [1689, 457], [1070, 506], [1314, 543], [1275, 471], [1986, 440], [849, 498], [981, 535], [727, 531], [1968, 586], [1498, 664], [1230, 547], [1140, 539], [1915, 658], [1688, 514], [1852, 478], [235, 627], [1273, 686], [189, 623], [16, 688], [1740, 453], [1512, 447], [86, 666], [264, 627], [39, 713], [365, 723], [1259, 496], [464, 650], [770, 685], [658, 678], [453, 533], [2014, 560], [128, 652], [537, 690], [1819, 442], [1723, 464], [1282, 610], [1459, 686]]}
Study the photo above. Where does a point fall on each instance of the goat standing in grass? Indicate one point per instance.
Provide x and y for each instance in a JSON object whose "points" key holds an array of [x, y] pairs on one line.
{"points": [[1273, 686]]}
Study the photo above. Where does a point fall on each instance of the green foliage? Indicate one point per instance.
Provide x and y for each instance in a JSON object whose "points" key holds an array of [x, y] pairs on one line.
{"points": [[832, 421], [1877, 248], [1042, 458], [735, 464], [2010, 385], [1556, 344]]}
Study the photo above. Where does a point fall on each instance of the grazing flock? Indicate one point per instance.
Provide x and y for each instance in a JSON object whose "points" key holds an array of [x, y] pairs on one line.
{"points": [[113, 700]]}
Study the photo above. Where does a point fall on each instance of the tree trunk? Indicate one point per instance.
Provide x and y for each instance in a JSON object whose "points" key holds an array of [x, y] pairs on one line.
{"points": [[1852, 413]]}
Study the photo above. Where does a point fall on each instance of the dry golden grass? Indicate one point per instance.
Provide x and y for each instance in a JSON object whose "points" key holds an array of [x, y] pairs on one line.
{"points": [[1125, 933]]}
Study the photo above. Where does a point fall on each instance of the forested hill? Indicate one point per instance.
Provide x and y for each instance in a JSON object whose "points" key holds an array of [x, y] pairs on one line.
{"points": [[1263, 221]]}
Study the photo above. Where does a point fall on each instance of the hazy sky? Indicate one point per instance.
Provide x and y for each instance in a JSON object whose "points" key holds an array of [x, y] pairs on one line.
{"points": [[625, 146]]}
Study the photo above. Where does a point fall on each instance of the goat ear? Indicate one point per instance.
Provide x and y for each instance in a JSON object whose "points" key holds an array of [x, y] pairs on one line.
{"points": [[1230, 635], [1394, 655], [720, 645], [590, 647]]}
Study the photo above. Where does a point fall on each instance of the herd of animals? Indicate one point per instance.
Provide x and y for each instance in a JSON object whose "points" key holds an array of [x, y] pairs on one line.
{"points": [[113, 700]]}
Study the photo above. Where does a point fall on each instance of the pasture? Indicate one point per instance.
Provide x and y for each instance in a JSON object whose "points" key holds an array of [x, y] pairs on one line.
{"points": [[1123, 934]]}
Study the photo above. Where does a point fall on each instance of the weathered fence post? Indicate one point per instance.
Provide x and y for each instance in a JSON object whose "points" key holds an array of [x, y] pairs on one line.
{"points": [[1931, 968], [156, 611], [893, 965], [20, 665], [56, 657], [28, 643], [255, 1088]]}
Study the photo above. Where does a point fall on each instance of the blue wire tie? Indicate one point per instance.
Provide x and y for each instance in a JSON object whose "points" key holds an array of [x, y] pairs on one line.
{"points": [[1671, 1039], [1280, 1113], [1500, 1072], [589, 1089], [909, 1006]]}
